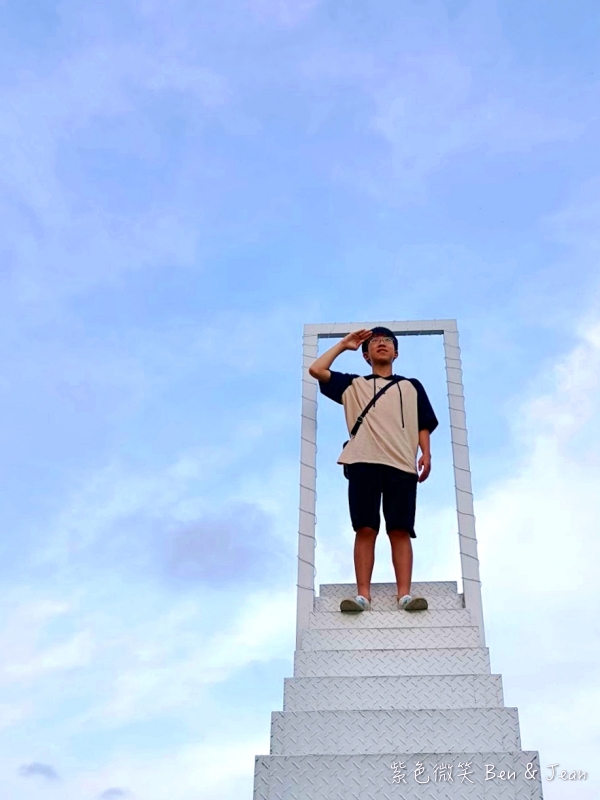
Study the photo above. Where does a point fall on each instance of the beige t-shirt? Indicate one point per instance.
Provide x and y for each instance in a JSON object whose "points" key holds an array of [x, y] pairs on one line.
{"points": [[389, 433]]}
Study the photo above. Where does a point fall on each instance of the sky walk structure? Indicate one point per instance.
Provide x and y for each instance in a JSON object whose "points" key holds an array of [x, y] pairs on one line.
{"points": [[385, 703]]}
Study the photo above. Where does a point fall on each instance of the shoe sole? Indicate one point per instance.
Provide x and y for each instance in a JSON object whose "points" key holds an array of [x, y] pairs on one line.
{"points": [[350, 605], [416, 604]]}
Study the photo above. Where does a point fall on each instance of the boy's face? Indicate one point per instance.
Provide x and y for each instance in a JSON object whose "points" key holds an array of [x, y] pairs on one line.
{"points": [[381, 350]]}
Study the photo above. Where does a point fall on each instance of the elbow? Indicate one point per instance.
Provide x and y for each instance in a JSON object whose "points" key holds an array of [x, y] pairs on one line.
{"points": [[321, 375]]}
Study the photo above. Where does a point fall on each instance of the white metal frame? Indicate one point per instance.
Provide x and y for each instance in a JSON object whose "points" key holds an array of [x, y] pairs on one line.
{"points": [[460, 455]]}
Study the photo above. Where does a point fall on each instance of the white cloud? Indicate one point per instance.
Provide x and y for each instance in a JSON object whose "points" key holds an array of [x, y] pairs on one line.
{"points": [[431, 107], [176, 664], [151, 668], [176, 491], [539, 551], [549, 508], [26, 619], [10, 714], [428, 115], [63, 237], [75, 652], [218, 771], [441, 90]]}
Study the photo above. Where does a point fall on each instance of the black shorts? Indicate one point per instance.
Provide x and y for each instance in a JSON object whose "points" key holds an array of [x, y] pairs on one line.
{"points": [[368, 484]]}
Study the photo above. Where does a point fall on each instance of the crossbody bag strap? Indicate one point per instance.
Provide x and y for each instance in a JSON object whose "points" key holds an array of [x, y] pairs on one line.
{"points": [[370, 404]]}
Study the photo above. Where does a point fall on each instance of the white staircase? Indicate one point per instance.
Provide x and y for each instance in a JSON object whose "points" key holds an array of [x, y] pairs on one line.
{"points": [[391, 704]]}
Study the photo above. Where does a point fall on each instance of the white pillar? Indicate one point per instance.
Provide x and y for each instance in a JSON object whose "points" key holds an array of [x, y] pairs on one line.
{"points": [[467, 539], [308, 485]]}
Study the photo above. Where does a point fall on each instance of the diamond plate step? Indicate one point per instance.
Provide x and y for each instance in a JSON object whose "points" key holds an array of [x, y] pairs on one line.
{"points": [[426, 589], [388, 602], [391, 619], [352, 777], [349, 663], [389, 638], [473, 730], [393, 693]]}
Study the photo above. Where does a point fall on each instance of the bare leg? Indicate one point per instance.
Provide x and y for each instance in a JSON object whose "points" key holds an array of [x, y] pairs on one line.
{"points": [[402, 559], [364, 559]]}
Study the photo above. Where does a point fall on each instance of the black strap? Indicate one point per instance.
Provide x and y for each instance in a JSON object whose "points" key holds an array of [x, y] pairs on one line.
{"points": [[359, 420]]}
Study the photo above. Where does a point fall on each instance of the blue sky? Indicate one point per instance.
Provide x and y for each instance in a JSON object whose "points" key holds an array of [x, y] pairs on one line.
{"points": [[184, 186]]}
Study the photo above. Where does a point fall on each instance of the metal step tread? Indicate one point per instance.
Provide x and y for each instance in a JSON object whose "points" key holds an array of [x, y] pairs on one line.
{"points": [[388, 602], [381, 662], [390, 619], [394, 775], [393, 693], [390, 638], [369, 732], [424, 588]]}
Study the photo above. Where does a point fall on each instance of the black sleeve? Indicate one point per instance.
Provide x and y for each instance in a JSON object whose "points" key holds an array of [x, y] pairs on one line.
{"points": [[337, 385], [427, 419]]}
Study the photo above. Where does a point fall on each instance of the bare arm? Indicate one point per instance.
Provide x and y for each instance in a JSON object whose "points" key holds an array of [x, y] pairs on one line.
{"points": [[319, 369], [424, 466]]}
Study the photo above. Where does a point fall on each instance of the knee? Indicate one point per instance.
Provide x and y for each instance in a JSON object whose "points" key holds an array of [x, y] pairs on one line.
{"points": [[399, 534], [366, 534]]}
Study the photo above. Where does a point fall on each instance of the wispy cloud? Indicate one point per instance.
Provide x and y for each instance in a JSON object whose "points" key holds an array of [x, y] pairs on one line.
{"points": [[430, 111], [220, 769], [166, 680], [236, 548], [175, 205], [177, 521], [435, 90], [112, 793], [38, 770], [76, 652], [28, 656], [95, 102], [537, 544], [539, 549]]}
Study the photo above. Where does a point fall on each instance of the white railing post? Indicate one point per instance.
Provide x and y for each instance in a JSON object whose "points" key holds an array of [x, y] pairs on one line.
{"points": [[467, 539], [308, 487]]}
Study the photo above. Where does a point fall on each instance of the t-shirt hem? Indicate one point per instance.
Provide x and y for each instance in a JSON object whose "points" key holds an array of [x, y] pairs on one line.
{"points": [[402, 468]]}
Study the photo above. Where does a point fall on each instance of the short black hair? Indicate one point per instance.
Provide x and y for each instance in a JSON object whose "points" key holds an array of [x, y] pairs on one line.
{"points": [[380, 331]]}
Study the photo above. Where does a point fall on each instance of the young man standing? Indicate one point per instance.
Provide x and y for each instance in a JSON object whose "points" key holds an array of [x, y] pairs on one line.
{"points": [[380, 460]]}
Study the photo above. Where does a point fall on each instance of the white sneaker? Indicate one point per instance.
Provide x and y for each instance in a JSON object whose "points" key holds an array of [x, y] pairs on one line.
{"points": [[410, 603], [358, 603]]}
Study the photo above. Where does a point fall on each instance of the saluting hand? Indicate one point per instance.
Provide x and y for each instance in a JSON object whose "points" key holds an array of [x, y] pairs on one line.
{"points": [[354, 340]]}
